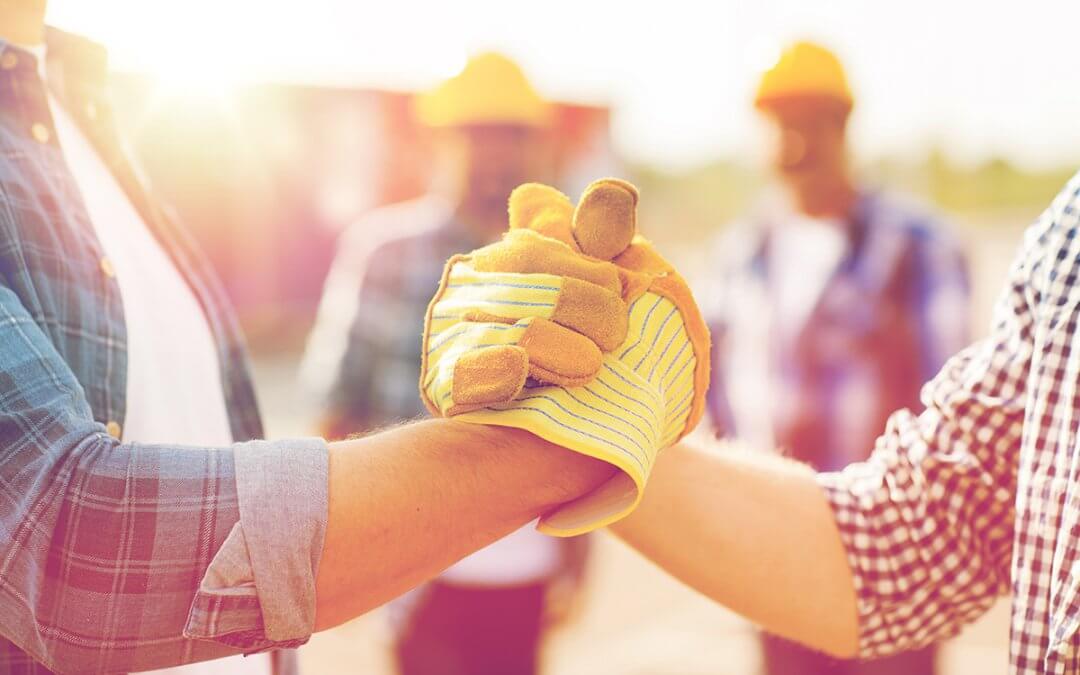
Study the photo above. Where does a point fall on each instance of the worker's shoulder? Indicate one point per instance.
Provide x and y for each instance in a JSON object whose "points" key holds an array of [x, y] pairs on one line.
{"points": [[735, 244], [728, 252], [903, 212], [909, 218], [1055, 230], [398, 222], [1067, 202]]}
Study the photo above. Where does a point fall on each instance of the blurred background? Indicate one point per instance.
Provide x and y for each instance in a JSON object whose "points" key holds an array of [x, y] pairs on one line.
{"points": [[271, 127]]}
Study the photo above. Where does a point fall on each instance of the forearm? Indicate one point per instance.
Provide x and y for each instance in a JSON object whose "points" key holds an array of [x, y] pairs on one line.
{"points": [[755, 533], [408, 502]]}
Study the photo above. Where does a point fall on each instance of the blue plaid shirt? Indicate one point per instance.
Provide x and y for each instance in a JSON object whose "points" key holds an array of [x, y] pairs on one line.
{"points": [[118, 557], [376, 379], [892, 312]]}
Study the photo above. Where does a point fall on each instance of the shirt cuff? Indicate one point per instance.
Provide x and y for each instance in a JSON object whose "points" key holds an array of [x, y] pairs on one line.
{"points": [[259, 590]]}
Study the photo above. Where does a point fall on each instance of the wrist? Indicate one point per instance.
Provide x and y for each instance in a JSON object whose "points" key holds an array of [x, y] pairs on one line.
{"points": [[552, 474]]}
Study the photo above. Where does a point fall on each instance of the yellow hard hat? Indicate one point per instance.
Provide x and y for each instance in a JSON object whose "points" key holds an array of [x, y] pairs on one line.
{"points": [[804, 70], [491, 89]]}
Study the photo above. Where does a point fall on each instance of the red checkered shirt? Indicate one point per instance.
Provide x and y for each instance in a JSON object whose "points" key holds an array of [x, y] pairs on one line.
{"points": [[980, 494]]}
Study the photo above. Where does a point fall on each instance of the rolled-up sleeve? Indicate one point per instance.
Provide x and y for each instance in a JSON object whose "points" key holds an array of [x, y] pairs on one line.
{"points": [[259, 590], [119, 557], [928, 520]]}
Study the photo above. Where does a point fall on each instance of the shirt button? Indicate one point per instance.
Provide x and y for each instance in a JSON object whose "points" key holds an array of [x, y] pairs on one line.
{"points": [[40, 132], [107, 268], [113, 427], [9, 60]]}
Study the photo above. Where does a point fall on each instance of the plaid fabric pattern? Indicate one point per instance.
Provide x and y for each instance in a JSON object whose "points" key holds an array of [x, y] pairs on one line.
{"points": [[886, 320], [115, 558], [979, 495], [378, 375]]}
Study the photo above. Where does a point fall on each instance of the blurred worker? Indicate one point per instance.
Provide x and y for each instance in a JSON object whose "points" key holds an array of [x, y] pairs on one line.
{"points": [[486, 613], [143, 523], [833, 307]]}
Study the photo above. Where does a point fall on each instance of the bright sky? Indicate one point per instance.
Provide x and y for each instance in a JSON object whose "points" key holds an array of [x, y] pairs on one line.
{"points": [[981, 77]]}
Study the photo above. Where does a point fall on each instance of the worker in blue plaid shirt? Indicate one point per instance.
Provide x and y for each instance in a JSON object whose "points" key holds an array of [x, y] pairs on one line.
{"points": [[967, 495], [486, 614], [828, 309]]}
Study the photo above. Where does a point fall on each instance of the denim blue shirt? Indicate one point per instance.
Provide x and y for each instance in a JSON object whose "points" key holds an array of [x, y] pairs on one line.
{"points": [[118, 557]]}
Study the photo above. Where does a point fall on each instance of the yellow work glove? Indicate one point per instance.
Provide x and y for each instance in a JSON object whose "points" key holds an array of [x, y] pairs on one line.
{"points": [[573, 328]]}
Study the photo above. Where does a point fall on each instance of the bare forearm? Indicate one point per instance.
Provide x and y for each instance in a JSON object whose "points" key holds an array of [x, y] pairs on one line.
{"points": [[408, 502], [754, 533]]}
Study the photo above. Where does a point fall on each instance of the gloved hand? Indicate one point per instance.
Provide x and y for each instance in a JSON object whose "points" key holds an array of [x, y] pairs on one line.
{"points": [[573, 328]]}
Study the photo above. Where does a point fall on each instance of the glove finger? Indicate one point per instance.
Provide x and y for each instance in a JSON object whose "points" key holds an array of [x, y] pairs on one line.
{"points": [[642, 257], [469, 365], [524, 251], [477, 364], [558, 355], [605, 220], [543, 209], [488, 375], [596, 312]]}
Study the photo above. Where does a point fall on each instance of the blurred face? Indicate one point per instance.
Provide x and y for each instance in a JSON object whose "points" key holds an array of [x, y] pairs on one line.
{"points": [[491, 160], [22, 21], [809, 154]]}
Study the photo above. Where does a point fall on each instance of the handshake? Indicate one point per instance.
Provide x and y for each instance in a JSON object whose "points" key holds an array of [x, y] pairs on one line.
{"points": [[575, 329]]}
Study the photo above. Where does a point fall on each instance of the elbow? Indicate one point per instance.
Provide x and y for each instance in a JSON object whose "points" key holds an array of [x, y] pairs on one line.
{"points": [[834, 631], [842, 646], [843, 641], [832, 641], [839, 640], [67, 661], [59, 657], [63, 657]]}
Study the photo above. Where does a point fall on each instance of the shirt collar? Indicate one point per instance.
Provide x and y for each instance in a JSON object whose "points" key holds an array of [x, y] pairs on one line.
{"points": [[75, 65], [776, 211], [81, 58]]}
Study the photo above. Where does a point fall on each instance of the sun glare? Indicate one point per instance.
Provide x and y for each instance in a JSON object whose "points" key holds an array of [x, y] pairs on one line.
{"points": [[199, 81], [192, 51], [679, 78]]}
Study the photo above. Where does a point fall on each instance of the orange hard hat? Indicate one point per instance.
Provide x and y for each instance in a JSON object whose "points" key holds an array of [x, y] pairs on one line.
{"points": [[491, 89], [804, 70]]}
